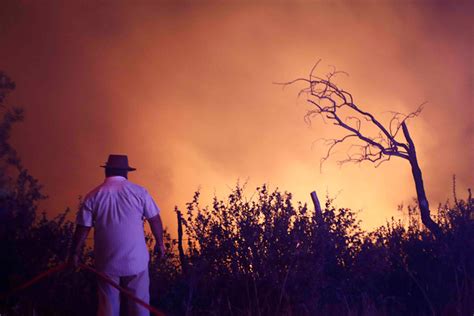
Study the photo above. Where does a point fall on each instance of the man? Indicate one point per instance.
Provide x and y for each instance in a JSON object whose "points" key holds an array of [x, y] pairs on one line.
{"points": [[116, 210]]}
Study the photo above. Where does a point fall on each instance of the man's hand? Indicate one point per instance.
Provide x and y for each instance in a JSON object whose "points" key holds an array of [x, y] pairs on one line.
{"points": [[78, 240], [157, 230], [72, 263], [160, 250]]}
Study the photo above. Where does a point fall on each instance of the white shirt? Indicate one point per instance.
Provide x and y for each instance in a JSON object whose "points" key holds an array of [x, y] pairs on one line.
{"points": [[116, 209]]}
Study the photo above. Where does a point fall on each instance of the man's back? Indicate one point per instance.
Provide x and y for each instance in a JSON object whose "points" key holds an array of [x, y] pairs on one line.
{"points": [[116, 209]]}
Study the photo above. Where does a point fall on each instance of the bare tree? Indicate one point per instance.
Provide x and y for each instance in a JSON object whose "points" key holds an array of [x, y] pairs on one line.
{"points": [[377, 143]]}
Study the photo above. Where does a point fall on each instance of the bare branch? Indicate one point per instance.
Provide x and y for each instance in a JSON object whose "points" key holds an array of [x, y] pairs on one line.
{"points": [[396, 118], [332, 143], [328, 101]]}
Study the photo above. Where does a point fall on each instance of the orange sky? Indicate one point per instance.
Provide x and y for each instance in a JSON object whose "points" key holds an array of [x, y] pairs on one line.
{"points": [[186, 91]]}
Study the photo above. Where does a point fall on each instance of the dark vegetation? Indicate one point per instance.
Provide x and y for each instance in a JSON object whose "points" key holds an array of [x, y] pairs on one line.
{"points": [[265, 255]]}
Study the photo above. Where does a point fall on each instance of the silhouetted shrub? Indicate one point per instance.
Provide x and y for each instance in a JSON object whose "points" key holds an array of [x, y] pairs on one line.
{"points": [[268, 256]]}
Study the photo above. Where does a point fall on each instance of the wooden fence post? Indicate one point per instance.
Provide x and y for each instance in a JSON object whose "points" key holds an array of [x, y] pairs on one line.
{"points": [[317, 208], [182, 257]]}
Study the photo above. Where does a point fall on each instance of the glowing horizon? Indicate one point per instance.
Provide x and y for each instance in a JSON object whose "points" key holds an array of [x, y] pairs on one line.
{"points": [[187, 92]]}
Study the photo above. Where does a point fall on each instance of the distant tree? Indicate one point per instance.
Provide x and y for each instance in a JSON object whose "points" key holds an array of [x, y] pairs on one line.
{"points": [[30, 244], [19, 191], [336, 105], [10, 115]]}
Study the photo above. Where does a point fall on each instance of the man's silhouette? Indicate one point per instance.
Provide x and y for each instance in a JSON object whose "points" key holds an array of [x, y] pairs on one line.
{"points": [[116, 209]]}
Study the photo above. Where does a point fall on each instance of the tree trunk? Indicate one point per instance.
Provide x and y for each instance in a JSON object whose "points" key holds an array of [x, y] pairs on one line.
{"points": [[423, 204]]}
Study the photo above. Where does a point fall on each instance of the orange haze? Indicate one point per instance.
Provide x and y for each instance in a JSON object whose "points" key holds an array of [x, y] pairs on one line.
{"points": [[186, 90]]}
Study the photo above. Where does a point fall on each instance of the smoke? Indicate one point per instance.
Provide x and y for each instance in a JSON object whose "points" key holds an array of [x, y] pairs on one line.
{"points": [[187, 92]]}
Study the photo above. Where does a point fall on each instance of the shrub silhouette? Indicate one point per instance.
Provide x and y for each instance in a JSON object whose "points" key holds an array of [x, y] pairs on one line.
{"points": [[268, 256], [30, 244]]}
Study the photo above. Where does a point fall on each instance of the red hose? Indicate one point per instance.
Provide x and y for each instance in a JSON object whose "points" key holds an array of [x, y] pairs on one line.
{"points": [[129, 294], [62, 266], [36, 279]]}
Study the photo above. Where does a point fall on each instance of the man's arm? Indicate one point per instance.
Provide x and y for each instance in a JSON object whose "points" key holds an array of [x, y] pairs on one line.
{"points": [[78, 240], [157, 229]]}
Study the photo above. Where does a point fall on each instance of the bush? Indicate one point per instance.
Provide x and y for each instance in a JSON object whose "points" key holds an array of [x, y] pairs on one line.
{"points": [[268, 256]]}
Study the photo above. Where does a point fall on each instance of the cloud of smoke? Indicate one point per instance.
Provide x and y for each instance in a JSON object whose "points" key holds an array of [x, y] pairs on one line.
{"points": [[187, 91]]}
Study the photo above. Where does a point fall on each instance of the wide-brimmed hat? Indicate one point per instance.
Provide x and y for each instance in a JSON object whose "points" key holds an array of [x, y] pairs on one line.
{"points": [[118, 162]]}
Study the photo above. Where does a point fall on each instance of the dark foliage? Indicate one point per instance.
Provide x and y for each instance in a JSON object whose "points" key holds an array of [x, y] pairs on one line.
{"points": [[29, 243], [266, 255]]}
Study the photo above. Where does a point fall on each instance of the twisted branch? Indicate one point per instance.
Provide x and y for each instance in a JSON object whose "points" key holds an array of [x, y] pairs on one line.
{"points": [[329, 100]]}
